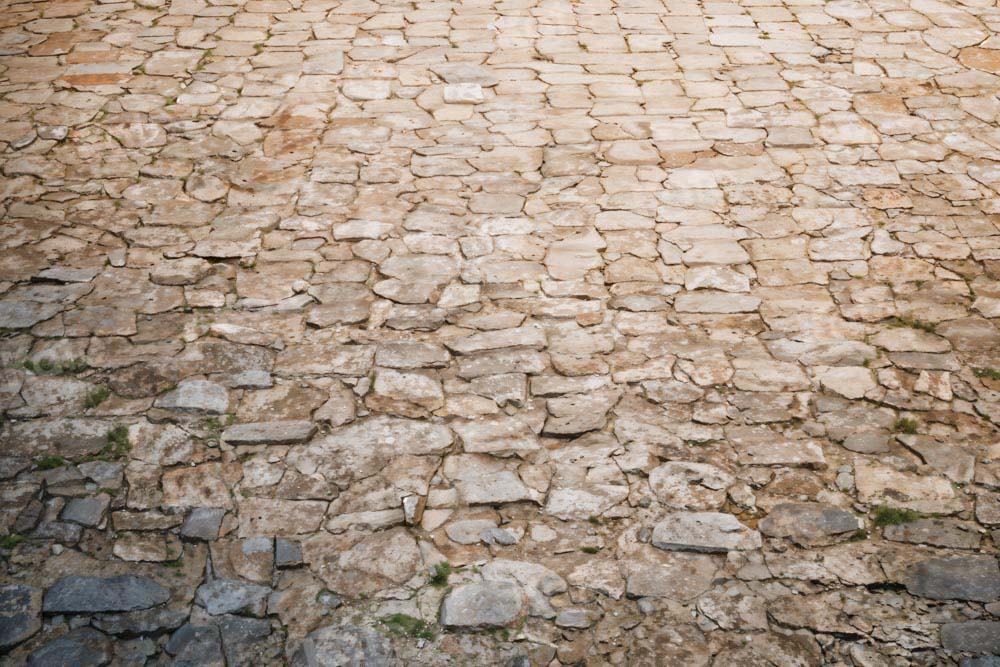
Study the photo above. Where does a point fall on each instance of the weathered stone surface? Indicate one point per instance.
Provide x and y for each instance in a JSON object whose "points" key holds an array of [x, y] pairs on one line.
{"points": [[77, 594], [926, 494], [343, 645], [85, 647], [482, 605], [936, 532], [979, 637], [229, 596], [203, 523], [319, 295], [958, 578], [694, 486], [704, 531], [198, 395], [269, 433], [677, 576], [20, 613], [810, 524]]}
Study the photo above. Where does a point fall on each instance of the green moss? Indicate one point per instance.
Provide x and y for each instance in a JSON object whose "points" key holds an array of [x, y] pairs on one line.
{"points": [[859, 535], [439, 578], [11, 541], [988, 373], [50, 462], [912, 323], [404, 625], [69, 367], [589, 550], [118, 445], [892, 516], [904, 425], [97, 397]]}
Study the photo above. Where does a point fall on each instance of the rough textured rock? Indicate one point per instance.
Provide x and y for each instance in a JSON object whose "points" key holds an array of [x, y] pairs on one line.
{"points": [[679, 317], [85, 647], [20, 613], [810, 524], [343, 645], [958, 578], [482, 605], [78, 594], [704, 531]]}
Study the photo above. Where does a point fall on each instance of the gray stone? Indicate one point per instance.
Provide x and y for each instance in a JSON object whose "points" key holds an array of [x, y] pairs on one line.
{"points": [[269, 433], [576, 617], [287, 553], [482, 604], [497, 536], [810, 524], [674, 575], [340, 646], [87, 511], [199, 395], [241, 638], [103, 473], [141, 622], [228, 596], [20, 613], [468, 531], [196, 646], [203, 523], [83, 647], [972, 637], [127, 592], [704, 531], [936, 532], [869, 442], [974, 578]]}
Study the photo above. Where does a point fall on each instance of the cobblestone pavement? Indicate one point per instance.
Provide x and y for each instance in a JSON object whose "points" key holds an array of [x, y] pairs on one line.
{"points": [[522, 333]]}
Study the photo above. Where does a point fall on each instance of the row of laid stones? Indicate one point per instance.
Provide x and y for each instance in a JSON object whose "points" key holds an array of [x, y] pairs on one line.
{"points": [[137, 605]]}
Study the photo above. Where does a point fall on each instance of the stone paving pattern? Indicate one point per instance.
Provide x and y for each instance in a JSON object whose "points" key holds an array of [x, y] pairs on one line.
{"points": [[552, 332]]}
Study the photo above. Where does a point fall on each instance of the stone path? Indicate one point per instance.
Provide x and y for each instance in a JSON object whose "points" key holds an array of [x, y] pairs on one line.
{"points": [[651, 332]]}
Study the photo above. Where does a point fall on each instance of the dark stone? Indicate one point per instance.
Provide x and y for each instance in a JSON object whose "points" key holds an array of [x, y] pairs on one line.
{"points": [[972, 637], [20, 613], [243, 639], [143, 379], [58, 531], [196, 646], [86, 511], [936, 532], [287, 553], [87, 595], [333, 646], [29, 517], [142, 622], [229, 596], [960, 578], [83, 647], [134, 652], [203, 523], [983, 661], [809, 524]]}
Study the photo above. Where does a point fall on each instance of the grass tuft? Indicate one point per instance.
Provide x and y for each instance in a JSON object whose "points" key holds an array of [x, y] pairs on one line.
{"points": [[96, 397], [439, 578], [893, 516], [404, 625], [51, 462]]}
